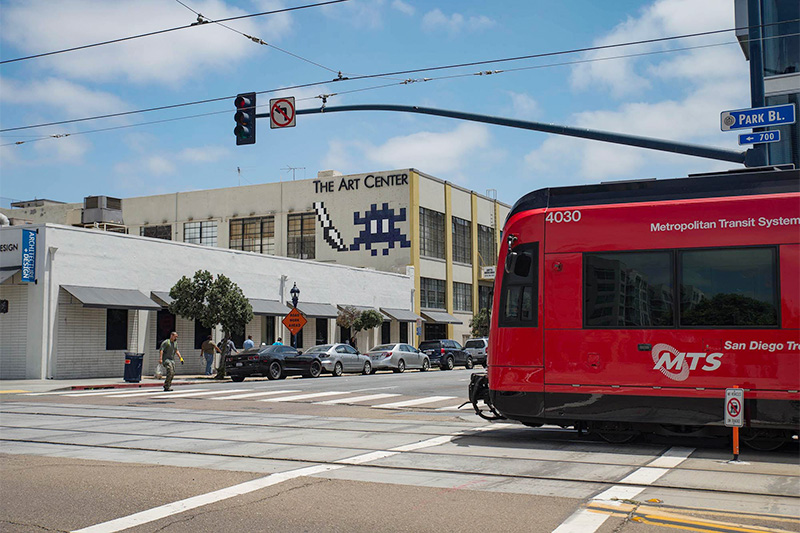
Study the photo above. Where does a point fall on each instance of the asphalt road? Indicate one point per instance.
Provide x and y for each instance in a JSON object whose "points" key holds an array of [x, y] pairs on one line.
{"points": [[386, 452]]}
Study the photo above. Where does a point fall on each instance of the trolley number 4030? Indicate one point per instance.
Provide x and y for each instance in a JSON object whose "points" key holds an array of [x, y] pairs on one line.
{"points": [[563, 216]]}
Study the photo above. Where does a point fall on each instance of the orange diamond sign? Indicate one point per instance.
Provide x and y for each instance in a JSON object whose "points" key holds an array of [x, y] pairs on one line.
{"points": [[294, 321]]}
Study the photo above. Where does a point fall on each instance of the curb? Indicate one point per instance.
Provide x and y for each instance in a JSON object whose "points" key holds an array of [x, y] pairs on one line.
{"points": [[142, 385]]}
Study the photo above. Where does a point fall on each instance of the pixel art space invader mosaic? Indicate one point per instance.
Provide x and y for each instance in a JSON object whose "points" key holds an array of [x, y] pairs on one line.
{"points": [[379, 226]]}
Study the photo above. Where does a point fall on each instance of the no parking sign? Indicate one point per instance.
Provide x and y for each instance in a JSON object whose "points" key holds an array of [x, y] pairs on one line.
{"points": [[734, 407]]}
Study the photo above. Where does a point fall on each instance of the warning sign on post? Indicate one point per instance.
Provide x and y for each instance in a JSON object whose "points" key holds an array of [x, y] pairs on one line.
{"points": [[734, 407], [281, 112], [294, 321]]}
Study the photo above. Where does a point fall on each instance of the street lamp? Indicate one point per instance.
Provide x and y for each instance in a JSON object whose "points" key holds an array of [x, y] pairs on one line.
{"points": [[295, 292]]}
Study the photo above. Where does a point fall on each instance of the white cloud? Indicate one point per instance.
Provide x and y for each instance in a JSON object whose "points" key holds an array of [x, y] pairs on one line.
{"points": [[436, 20], [38, 26], [159, 165], [523, 106], [403, 7], [71, 99], [203, 154], [357, 13]]}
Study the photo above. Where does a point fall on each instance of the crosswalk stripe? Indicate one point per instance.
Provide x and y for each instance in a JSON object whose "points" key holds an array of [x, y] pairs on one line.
{"points": [[183, 394], [153, 393], [451, 408], [416, 401], [355, 399], [304, 396], [113, 392], [255, 394]]}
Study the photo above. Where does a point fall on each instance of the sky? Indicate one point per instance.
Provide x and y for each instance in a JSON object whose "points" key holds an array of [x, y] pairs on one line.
{"points": [[670, 90]]}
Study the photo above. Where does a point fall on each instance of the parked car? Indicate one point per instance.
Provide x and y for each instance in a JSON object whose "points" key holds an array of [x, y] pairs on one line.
{"points": [[397, 357], [446, 353], [478, 349], [339, 358], [275, 362]]}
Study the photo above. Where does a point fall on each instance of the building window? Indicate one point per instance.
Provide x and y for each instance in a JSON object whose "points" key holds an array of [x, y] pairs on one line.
{"points": [[238, 338], [301, 236], [628, 290], [487, 249], [201, 333], [435, 331], [165, 324], [204, 233], [403, 332], [322, 331], [116, 329], [484, 297], [253, 235], [431, 233], [297, 339], [344, 334], [462, 241], [432, 293], [386, 332], [462, 296], [729, 287], [781, 41], [157, 232], [268, 335]]}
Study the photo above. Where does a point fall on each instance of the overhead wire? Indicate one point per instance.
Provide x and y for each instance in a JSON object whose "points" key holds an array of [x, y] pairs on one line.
{"points": [[405, 82], [158, 32]]}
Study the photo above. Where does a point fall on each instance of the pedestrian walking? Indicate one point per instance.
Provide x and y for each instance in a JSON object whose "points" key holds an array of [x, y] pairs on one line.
{"points": [[248, 343], [166, 357], [207, 351], [278, 342]]}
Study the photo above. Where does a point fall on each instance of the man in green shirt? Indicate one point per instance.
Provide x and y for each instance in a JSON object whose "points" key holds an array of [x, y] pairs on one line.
{"points": [[166, 357]]}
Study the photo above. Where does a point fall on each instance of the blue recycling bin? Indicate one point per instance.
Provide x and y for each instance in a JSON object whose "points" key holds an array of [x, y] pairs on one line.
{"points": [[133, 367]]}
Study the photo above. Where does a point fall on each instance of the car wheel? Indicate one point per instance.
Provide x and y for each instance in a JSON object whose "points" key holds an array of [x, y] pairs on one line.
{"points": [[401, 367], [314, 370], [337, 369], [448, 363], [426, 365], [469, 364], [237, 379], [275, 370], [367, 368]]}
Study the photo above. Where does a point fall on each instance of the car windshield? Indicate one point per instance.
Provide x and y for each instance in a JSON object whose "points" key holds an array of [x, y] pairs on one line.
{"points": [[428, 345], [383, 348], [319, 349], [474, 344]]}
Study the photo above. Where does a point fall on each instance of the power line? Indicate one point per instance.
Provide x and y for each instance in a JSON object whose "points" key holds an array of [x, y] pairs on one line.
{"points": [[149, 34], [403, 72]]}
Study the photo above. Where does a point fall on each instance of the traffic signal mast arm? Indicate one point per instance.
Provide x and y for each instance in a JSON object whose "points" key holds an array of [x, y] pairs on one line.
{"points": [[605, 136]]}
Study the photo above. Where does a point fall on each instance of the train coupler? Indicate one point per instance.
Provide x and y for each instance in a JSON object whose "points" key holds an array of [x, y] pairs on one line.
{"points": [[479, 392]]}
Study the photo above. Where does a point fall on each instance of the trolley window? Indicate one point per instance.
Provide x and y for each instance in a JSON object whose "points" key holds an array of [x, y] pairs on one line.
{"points": [[729, 287], [520, 294], [628, 290]]}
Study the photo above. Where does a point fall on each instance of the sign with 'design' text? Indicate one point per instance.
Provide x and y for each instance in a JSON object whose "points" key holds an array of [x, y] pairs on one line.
{"points": [[29, 256]]}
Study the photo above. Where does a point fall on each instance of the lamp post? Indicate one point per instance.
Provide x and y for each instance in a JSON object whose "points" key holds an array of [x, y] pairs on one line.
{"points": [[295, 292]]}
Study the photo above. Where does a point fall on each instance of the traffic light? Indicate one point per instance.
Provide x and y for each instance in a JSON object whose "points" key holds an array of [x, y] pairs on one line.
{"points": [[245, 118]]}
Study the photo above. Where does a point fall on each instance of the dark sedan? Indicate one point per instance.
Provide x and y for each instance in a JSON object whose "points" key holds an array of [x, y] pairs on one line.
{"points": [[275, 362]]}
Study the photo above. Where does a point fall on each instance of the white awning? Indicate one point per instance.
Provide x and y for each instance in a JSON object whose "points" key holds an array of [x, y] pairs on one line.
{"points": [[317, 310], [440, 316], [108, 298], [7, 274], [268, 307], [162, 298], [401, 315]]}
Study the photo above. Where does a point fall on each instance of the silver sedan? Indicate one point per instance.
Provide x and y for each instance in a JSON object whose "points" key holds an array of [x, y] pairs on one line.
{"points": [[398, 357], [339, 358]]}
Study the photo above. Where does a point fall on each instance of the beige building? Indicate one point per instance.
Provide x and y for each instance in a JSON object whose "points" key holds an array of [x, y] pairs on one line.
{"points": [[387, 221]]}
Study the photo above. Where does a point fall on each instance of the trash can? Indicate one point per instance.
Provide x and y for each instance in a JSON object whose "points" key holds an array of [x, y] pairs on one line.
{"points": [[133, 367]]}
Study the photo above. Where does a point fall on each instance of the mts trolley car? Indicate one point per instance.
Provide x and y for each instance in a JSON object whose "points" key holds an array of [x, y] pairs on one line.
{"points": [[630, 307]]}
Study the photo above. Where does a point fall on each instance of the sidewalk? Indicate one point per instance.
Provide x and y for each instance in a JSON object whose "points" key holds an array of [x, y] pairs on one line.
{"points": [[48, 385]]}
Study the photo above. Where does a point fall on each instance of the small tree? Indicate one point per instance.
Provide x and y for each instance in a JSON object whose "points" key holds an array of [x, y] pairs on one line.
{"points": [[480, 323], [368, 319], [212, 302], [347, 317]]}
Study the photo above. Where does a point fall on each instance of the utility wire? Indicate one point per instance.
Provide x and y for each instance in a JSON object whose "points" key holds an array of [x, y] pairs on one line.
{"points": [[395, 73], [149, 34]]}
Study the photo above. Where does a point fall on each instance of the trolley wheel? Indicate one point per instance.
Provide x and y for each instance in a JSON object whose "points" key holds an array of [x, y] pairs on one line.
{"points": [[765, 440]]}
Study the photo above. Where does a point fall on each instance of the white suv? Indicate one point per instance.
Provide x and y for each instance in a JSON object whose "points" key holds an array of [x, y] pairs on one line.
{"points": [[478, 349]]}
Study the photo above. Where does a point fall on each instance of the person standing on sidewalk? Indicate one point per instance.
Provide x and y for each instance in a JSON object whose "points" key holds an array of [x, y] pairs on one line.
{"points": [[207, 351], [166, 357], [248, 343]]}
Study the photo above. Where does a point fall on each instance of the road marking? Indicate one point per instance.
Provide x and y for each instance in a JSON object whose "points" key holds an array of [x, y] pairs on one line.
{"points": [[153, 393], [256, 394], [183, 394], [12, 391], [417, 401], [303, 396], [358, 399], [435, 441], [585, 520], [108, 392], [371, 456]]}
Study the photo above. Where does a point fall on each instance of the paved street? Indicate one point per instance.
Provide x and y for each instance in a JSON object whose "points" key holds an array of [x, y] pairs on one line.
{"points": [[386, 452]]}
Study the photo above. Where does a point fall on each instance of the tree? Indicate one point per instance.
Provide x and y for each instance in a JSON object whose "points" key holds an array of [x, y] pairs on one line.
{"points": [[480, 323], [368, 319], [347, 317], [212, 302]]}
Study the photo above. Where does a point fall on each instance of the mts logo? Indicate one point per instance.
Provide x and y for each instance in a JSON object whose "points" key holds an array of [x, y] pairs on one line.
{"points": [[677, 365]]}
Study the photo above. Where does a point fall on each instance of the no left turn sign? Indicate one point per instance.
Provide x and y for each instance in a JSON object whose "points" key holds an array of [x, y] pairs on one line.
{"points": [[281, 112]]}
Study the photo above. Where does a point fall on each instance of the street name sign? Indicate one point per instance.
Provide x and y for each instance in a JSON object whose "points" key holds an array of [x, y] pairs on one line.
{"points": [[760, 137], [757, 117], [734, 407], [282, 112], [294, 321]]}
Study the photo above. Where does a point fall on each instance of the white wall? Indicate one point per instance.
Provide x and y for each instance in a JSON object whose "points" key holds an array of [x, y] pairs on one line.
{"points": [[13, 346]]}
